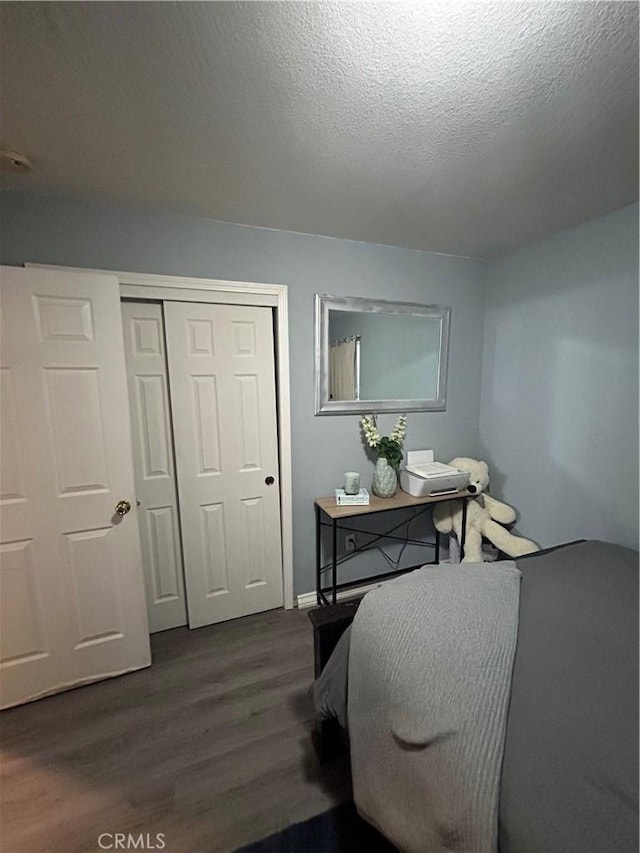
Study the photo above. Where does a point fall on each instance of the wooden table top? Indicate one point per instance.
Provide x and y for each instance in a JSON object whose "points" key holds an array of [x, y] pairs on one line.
{"points": [[399, 501]]}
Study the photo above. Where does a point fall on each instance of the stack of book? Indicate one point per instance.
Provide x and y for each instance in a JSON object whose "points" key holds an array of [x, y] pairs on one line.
{"points": [[343, 499]]}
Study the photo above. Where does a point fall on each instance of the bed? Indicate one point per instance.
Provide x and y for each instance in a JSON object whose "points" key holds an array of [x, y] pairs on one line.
{"points": [[557, 754]]}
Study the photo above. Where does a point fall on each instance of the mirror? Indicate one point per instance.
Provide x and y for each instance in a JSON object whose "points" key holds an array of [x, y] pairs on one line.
{"points": [[374, 355]]}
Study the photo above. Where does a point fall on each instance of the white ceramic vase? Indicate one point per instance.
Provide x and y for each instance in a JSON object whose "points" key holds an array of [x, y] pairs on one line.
{"points": [[385, 479]]}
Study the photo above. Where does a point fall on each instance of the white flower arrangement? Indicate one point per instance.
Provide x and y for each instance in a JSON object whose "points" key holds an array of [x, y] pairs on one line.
{"points": [[388, 446]]}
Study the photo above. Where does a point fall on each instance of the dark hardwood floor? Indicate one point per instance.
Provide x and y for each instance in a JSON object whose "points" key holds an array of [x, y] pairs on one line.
{"points": [[210, 746]]}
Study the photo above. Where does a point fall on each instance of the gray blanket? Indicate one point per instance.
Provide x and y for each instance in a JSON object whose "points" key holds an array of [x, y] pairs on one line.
{"points": [[570, 772], [431, 656]]}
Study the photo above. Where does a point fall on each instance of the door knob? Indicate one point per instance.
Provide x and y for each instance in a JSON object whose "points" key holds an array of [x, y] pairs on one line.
{"points": [[269, 481], [122, 507]]}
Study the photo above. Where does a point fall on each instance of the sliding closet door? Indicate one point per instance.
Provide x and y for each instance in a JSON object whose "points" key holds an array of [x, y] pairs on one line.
{"points": [[72, 599], [153, 464], [222, 378]]}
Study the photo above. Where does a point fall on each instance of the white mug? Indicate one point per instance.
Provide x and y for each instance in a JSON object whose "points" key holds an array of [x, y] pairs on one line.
{"points": [[352, 482]]}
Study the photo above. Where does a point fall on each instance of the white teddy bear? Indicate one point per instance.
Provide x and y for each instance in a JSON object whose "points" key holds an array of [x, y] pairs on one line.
{"points": [[485, 515]]}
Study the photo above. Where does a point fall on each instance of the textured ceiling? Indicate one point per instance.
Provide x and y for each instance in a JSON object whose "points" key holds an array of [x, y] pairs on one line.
{"points": [[463, 127]]}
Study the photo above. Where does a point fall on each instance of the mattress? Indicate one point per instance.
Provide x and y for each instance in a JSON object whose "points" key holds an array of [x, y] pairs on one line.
{"points": [[570, 770]]}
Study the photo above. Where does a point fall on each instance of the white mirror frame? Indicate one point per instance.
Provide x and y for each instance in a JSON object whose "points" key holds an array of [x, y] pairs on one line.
{"points": [[325, 303]]}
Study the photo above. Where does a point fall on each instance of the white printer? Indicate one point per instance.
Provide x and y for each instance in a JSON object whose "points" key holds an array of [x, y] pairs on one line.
{"points": [[422, 477]]}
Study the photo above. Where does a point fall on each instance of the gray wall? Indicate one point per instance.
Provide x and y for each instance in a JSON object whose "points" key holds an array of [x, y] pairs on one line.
{"points": [[559, 403], [56, 231]]}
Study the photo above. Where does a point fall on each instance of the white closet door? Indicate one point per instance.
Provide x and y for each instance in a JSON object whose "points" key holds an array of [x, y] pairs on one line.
{"points": [[72, 605], [153, 464], [221, 373]]}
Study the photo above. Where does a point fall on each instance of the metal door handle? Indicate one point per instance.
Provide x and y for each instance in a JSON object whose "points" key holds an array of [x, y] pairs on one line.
{"points": [[122, 507], [269, 481]]}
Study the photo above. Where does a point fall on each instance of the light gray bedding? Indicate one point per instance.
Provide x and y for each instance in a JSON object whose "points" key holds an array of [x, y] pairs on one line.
{"points": [[570, 769], [430, 664]]}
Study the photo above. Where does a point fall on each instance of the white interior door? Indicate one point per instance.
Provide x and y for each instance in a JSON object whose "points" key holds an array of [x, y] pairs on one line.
{"points": [[143, 325], [221, 373], [72, 606]]}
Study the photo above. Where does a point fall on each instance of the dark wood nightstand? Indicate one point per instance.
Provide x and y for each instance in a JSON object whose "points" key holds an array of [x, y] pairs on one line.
{"points": [[329, 624]]}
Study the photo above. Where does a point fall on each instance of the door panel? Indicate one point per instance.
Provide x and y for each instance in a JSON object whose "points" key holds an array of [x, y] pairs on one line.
{"points": [[205, 412], [12, 461], [222, 378], [151, 402], [76, 418], [215, 556], [23, 630], [167, 573], [153, 464], [72, 602], [96, 595]]}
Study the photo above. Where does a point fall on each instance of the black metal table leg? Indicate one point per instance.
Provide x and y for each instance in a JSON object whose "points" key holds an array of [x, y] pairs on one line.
{"points": [[318, 555], [334, 576], [464, 527], [437, 555]]}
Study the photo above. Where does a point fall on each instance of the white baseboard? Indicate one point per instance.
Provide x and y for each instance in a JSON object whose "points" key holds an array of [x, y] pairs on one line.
{"points": [[310, 599]]}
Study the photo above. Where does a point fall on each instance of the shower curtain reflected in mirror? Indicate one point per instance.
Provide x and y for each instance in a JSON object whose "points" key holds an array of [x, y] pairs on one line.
{"points": [[344, 369]]}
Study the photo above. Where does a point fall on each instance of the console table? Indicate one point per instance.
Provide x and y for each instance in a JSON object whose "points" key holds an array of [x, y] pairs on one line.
{"points": [[329, 514]]}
